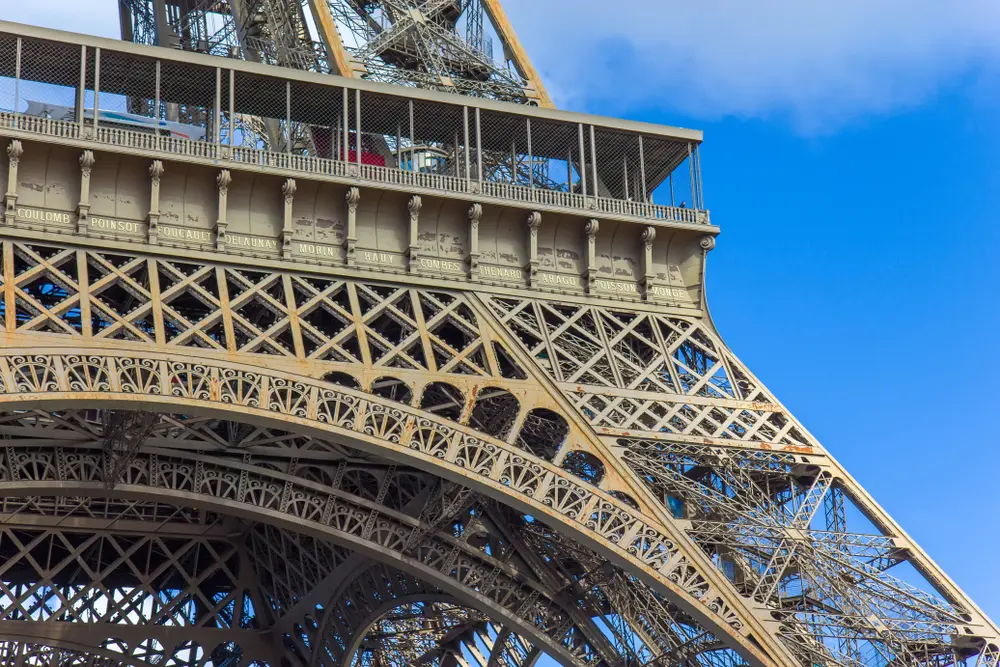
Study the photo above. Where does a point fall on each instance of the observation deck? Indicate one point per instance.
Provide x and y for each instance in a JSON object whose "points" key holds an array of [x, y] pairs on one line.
{"points": [[209, 112]]}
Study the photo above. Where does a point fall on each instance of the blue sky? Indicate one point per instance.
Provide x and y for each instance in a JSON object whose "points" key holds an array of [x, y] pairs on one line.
{"points": [[850, 159]]}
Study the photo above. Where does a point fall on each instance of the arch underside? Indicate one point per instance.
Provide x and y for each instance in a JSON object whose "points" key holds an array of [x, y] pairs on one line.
{"points": [[163, 565], [628, 492]]}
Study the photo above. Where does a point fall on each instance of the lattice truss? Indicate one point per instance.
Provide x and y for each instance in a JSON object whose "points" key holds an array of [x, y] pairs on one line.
{"points": [[784, 523], [138, 581], [116, 297], [326, 414], [435, 44]]}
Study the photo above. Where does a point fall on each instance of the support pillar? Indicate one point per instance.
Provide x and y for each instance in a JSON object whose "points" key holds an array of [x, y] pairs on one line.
{"points": [[287, 228], [414, 206], [14, 152], [648, 276], [531, 269], [475, 215], [155, 173], [353, 197], [590, 275], [83, 208], [222, 223]]}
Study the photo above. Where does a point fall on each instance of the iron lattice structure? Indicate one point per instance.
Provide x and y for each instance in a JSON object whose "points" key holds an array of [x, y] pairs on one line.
{"points": [[445, 45], [264, 402]]}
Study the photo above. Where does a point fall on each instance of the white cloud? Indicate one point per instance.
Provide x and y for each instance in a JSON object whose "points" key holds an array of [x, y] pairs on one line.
{"points": [[818, 62]]}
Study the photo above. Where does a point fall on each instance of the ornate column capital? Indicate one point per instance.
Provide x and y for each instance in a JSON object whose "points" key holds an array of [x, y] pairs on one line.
{"points": [[591, 228], [288, 189], [413, 206], [353, 196], [223, 180], [156, 171], [87, 161], [648, 236], [14, 151], [475, 215], [534, 222]]}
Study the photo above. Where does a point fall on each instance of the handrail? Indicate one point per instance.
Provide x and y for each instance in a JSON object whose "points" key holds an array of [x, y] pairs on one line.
{"points": [[374, 174]]}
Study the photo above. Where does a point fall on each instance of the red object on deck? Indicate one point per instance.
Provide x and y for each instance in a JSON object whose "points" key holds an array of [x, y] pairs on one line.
{"points": [[366, 158]]}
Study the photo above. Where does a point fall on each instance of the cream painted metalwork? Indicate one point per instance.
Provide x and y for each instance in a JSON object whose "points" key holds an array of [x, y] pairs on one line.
{"points": [[312, 371]]}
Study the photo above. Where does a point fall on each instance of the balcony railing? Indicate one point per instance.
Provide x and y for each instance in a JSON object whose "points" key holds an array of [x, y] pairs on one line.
{"points": [[71, 87]]}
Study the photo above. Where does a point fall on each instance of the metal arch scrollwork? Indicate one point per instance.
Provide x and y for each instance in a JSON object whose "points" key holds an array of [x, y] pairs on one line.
{"points": [[497, 467], [749, 485], [211, 482]]}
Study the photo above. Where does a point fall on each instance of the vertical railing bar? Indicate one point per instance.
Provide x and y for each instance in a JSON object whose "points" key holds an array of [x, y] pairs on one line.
{"points": [[97, 87], [399, 145], [357, 130], [17, 79], [288, 117], [691, 169], [513, 162], [217, 113], [593, 161], [531, 158], [642, 171], [479, 146], [347, 125], [582, 162], [625, 195], [81, 92], [156, 104], [701, 183], [569, 171], [413, 136], [232, 107], [468, 158]]}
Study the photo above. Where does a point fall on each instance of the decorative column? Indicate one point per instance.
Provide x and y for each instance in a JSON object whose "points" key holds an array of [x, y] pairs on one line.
{"points": [[14, 152], [287, 228], [155, 173], [648, 277], [222, 223], [475, 215], [590, 276], [414, 206], [83, 208], [353, 197], [534, 222]]}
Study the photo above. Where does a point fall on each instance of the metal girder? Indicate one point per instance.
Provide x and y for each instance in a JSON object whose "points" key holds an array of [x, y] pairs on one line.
{"points": [[390, 461], [420, 43], [749, 483]]}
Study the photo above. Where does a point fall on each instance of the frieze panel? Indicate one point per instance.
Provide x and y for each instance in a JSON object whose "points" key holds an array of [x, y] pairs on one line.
{"points": [[180, 205]]}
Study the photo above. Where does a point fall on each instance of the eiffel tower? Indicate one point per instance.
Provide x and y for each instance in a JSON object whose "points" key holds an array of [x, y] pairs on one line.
{"points": [[327, 341]]}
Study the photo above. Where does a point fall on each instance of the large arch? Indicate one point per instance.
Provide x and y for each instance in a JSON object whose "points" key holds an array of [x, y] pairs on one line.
{"points": [[261, 495], [65, 378]]}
